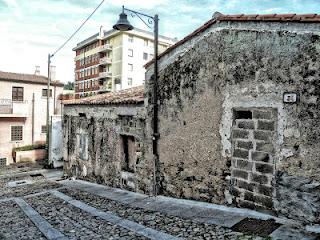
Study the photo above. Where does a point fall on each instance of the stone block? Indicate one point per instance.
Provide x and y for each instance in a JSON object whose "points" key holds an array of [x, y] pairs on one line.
{"points": [[264, 168], [264, 147], [245, 144], [246, 185], [239, 153], [262, 135], [264, 201], [244, 165], [246, 204], [239, 133], [265, 190], [239, 174], [235, 191], [260, 157], [258, 178], [249, 196], [266, 125], [245, 124], [259, 114]]}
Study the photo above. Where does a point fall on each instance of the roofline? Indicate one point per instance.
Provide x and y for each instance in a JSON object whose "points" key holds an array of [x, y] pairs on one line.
{"points": [[113, 32], [218, 17], [32, 82], [103, 103]]}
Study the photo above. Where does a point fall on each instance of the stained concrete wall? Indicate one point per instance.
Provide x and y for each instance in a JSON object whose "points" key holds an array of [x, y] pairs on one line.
{"points": [[94, 148], [240, 65]]}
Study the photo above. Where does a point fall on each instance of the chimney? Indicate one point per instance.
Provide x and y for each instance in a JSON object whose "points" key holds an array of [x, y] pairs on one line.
{"points": [[37, 71], [52, 73], [216, 15], [101, 33]]}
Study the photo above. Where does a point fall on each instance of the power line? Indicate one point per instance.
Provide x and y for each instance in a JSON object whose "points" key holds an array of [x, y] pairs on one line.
{"points": [[77, 29]]}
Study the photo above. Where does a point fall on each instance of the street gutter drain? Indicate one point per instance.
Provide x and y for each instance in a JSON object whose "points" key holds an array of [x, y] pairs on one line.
{"points": [[256, 226]]}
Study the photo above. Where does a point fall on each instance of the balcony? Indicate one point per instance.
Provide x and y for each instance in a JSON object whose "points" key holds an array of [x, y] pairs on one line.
{"points": [[105, 74], [105, 88], [105, 48], [9, 109], [105, 60]]}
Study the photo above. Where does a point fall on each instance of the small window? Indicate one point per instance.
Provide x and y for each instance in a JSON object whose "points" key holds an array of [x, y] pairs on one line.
{"points": [[16, 133], [43, 128], [129, 81], [145, 56], [145, 42], [17, 94], [130, 52], [130, 38], [45, 92], [130, 67], [3, 162], [129, 153]]}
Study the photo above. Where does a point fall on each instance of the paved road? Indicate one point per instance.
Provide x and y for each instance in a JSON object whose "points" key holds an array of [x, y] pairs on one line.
{"points": [[39, 208]]}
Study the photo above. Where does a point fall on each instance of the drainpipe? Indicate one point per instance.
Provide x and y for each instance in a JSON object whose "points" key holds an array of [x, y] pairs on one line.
{"points": [[32, 119]]}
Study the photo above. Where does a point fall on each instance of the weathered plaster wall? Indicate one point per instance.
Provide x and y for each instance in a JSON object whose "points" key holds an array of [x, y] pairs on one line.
{"points": [[99, 129], [238, 65]]}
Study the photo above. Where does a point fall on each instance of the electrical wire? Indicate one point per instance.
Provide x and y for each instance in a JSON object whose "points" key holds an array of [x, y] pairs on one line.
{"points": [[77, 29]]}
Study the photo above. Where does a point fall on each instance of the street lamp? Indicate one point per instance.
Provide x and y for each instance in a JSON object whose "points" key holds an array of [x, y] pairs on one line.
{"points": [[124, 25]]}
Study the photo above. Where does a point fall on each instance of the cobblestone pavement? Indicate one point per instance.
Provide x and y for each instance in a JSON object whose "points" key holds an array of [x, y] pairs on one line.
{"points": [[53, 211]]}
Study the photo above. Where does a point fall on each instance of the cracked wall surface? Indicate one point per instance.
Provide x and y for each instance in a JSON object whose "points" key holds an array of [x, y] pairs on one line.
{"points": [[239, 65]]}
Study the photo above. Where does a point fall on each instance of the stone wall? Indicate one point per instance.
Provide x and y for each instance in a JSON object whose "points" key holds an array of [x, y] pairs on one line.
{"points": [[95, 139], [230, 66]]}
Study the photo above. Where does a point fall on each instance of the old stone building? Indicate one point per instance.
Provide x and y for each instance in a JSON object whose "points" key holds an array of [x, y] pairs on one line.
{"points": [[238, 119], [104, 138], [239, 114]]}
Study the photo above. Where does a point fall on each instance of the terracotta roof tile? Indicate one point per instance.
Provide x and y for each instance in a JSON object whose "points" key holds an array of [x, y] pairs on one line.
{"points": [[307, 18], [27, 78], [128, 96]]}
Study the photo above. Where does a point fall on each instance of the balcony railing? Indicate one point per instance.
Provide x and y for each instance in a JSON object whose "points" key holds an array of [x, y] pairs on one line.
{"points": [[9, 108], [105, 88], [105, 75], [105, 60], [104, 48]]}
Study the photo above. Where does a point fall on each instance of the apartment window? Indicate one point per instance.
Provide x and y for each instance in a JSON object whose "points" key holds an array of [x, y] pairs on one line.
{"points": [[43, 128], [130, 38], [129, 81], [17, 94], [16, 133], [130, 67], [45, 92], [145, 56], [145, 42], [130, 52]]}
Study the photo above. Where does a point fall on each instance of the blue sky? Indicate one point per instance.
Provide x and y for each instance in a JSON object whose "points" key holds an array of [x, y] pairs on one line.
{"points": [[30, 29]]}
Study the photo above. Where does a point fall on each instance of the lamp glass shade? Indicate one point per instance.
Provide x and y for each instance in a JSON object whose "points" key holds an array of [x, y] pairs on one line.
{"points": [[123, 24]]}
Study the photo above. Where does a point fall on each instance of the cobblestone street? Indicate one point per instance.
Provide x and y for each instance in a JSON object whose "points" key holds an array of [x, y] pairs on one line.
{"points": [[35, 207]]}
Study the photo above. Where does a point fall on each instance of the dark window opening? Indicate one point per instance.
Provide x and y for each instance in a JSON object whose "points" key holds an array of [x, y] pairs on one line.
{"points": [[129, 153], [242, 114], [82, 115], [17, 94]]}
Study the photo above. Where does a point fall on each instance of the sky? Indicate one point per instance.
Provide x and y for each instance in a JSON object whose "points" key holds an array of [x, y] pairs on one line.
{"points": [[31, 29]]}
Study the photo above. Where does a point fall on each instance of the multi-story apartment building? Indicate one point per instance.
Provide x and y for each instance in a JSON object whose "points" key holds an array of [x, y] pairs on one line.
{"points": [[113, 60], [23, 106]]}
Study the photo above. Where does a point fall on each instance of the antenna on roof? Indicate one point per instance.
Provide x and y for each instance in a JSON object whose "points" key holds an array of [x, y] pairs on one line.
{"points": [[37, 71]]}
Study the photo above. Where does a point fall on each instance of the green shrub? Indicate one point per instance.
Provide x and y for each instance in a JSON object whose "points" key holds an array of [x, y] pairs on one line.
{"points": [[29, 147]]}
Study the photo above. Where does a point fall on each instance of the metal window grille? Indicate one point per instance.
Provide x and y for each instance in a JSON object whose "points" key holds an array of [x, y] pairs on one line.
{"points": [[16, 133], [43, 128], [3, 162]]}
